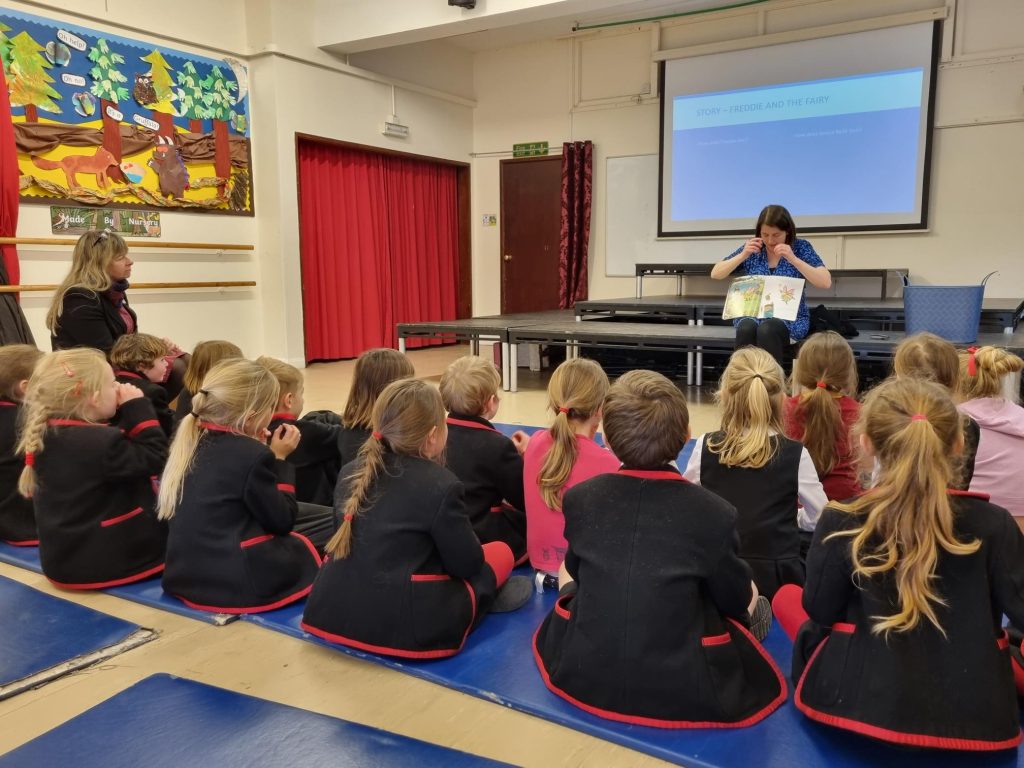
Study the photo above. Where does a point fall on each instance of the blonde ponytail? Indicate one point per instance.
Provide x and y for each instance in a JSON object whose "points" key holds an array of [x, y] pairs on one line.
{"points": [[575, 394], [914, 428], [750, 395], [984, 372], [403, 416]]}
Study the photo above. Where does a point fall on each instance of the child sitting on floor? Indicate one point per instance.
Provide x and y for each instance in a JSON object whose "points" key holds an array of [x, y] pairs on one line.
{"points": [[17, 519], [405, 575], [489, 464], [564, 456], [91, 483], [230, 499], [898, 631], [650, 627], [374, 370], [764, 474], [140, 359], [206, 355]]}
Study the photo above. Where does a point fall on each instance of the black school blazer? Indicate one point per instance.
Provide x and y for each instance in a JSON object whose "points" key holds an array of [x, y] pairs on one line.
{"points": [[317, 459], [95, 502], [89, 319], [17, 518], [156, 395], [918, 688], [656, 632]]}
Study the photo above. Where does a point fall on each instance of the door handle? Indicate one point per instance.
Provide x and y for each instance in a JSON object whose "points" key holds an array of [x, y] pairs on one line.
{"points": [[508, 257]]}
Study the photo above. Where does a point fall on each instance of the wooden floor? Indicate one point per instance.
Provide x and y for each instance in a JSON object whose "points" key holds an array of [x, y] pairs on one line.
{"points": [[255, 661]]}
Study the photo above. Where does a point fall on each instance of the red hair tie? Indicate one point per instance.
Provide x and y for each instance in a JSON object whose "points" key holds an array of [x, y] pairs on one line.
{"points": [[972, 364], [919, 417], [377, 435], [563, 409], [30, 459], [348, 517], [821, 385]]}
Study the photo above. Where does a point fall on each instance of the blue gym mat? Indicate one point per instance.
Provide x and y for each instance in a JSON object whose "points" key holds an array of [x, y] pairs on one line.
{"points": [[148, 592], [45, 637], [497, 665], [508, 429], [164, 721]]}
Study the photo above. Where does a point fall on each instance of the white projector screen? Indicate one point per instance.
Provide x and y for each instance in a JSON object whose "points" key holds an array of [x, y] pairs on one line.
{"points": [[836, 129]]}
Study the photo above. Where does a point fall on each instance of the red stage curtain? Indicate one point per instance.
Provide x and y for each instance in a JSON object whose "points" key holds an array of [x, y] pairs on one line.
{"points": [[577, 191], [379, 247], [13, 328]]}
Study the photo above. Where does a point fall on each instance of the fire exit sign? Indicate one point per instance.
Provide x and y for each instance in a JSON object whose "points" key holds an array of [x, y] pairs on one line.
{"points": [[530, 149]]}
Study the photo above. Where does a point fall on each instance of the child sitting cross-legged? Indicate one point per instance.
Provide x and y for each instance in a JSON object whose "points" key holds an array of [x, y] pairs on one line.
{"points": [[17, 518], [140, 359]]}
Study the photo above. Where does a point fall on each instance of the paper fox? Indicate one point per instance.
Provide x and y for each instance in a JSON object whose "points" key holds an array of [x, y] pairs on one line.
{"points": [[72, 165]]}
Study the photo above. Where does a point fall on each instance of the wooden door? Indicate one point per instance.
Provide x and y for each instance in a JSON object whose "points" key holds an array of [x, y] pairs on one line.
{"points": [[531, 210]]}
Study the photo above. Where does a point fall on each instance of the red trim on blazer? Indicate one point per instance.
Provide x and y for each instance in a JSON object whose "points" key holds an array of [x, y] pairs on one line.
{"points": [[218, 427], [844, 627], [286, 488], [970, 494], [430, 577], [887, 734], [1003, 641], [149, 423], [652, 474], [127, 374], [8, 404], [710, 640], [560, 608], [470, 424], [283, 417], [399, 652], [654, 722], [113, 583], [256, 540], [120, 518], [26, 543], [271, 606], [73, 423]]}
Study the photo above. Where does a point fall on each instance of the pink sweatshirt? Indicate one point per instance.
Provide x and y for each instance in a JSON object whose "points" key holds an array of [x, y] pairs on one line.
{"points": [[545, 527], [998, 461]]}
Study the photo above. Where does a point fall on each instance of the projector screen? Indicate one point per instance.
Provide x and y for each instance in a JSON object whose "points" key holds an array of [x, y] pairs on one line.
{"points": [[836, 129]]}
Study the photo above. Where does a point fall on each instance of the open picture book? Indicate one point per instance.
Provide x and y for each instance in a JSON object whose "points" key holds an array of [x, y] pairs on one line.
{"points": [[763, 297]]}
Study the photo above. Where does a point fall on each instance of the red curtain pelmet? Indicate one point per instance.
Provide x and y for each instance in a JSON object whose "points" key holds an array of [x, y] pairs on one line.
{"points": [[379, 247], [577, 192]]}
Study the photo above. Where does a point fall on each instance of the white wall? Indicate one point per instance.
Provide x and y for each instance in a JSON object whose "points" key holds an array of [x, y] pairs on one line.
{"points": [[597, 87]]}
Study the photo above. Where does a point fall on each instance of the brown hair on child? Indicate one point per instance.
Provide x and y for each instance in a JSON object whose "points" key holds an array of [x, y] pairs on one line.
{"points": [[136, 352], [17, 361], [646, 422], [375, 369], [204, 357]]}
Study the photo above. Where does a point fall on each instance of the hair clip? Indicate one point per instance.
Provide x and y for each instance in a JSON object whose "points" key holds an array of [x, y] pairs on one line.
{"points": [[376, 435], [972, 364], [919, 417], [30, 459], [821, 385], [67, 370]]}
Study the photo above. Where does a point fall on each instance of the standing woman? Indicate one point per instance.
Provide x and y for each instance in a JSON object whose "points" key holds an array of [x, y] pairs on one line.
{"points": [[775, 250], [90, 308]]}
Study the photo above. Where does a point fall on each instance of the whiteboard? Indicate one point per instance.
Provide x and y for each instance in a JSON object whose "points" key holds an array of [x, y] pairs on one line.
{"points": [[631, 222]]}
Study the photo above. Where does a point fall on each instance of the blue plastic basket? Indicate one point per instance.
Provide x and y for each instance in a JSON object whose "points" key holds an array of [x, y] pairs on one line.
{"points": [[950, 311]]}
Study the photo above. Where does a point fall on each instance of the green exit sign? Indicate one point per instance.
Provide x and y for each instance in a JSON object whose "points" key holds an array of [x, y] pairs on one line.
{"points": [[530, 149]]}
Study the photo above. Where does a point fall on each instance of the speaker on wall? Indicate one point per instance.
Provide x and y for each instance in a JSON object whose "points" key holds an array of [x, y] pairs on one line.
{"points": [[470, 4]]}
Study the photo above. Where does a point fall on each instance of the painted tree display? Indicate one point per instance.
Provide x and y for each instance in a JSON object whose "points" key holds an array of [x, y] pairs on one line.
{"points": [[191, 103], [5, 47], [219, 102], [28, 80], [108, 85], [163, 90]]}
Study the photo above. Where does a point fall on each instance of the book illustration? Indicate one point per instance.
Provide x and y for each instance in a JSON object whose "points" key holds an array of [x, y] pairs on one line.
{"points": [[764, 297]]}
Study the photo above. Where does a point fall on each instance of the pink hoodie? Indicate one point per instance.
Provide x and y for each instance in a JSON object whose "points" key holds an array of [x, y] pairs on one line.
{"points": [[1000, 449]]}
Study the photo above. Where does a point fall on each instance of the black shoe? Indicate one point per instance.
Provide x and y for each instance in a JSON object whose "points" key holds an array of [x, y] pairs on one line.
{"points": [[515, 593], [761, 618]]}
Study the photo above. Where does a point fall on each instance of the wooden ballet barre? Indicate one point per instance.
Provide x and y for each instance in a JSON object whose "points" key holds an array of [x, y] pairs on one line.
{"points": [[136, 286], [130, 243]]}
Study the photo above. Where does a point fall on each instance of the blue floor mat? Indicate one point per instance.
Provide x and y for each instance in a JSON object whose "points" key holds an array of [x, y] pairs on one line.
{"points": [[164, 721], [508, 429], [497, 665], [148, 592], [41, 632]]}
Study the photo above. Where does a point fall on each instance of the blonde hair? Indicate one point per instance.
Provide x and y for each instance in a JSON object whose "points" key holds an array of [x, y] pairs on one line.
{"points": [[575, 393], [135, 351], [375, 369], [914, 428], [750, 394], [94, 252], [234, 393], [825, 368], [403, 416], [289, 378], [17, 362], [646, 422], [927, 356], [991, 366], [204, 357], [60, 387], [468, 384]]}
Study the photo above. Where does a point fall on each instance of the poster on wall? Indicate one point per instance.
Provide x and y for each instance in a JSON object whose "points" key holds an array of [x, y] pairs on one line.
{"points": [[124, 221], [107, 121]]}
